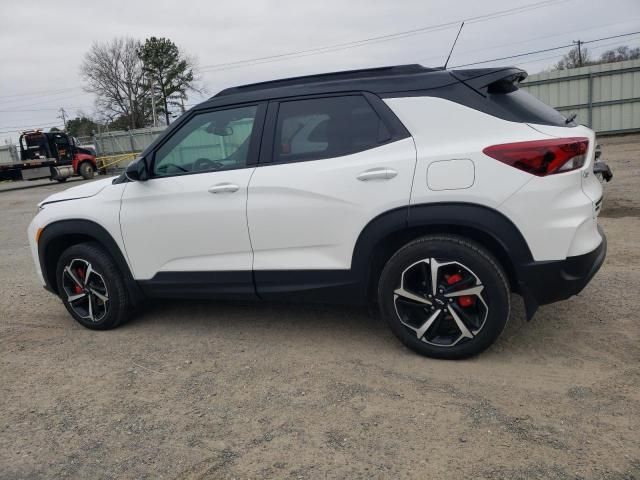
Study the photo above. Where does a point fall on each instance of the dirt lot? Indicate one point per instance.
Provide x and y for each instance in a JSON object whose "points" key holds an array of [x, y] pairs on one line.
{"points": [[282, 391]]}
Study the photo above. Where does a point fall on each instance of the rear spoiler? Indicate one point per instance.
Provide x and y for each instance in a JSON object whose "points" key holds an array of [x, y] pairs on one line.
{"points": [[491, 80]]}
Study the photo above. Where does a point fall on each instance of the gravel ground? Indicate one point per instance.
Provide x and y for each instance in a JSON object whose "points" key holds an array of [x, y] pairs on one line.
{"points": [[242, 390]]}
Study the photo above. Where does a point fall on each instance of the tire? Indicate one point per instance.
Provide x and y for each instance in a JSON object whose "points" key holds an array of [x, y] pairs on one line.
{"points": [[105, 303], [425, 322], [86, 170]]}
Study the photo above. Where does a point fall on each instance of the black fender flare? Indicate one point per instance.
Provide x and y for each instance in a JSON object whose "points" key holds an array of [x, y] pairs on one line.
{"points": [[491, 226], [83, 229]]}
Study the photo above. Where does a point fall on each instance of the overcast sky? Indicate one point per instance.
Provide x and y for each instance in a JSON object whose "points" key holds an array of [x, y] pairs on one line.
{"points": [[42, 43]]}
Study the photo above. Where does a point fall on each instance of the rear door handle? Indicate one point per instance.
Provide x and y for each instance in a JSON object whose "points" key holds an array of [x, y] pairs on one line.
{"points": [[224, 188], [377, 174]]}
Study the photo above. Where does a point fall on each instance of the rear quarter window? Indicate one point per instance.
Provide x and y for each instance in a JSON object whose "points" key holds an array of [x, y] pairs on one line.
{"points": [[528, 108]]}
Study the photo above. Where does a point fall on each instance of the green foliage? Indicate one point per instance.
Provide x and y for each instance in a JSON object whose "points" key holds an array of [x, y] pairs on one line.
{"points": [[118, 123], [171, 72], [81, 127]]}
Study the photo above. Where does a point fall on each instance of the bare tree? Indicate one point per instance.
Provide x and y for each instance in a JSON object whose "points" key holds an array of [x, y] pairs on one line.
{"points": [[620, 54], [113, 72], [576, 57]]}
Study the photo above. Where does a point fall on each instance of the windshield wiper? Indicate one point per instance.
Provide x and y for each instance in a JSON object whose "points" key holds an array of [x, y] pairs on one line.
{"points": [[570, 118]]}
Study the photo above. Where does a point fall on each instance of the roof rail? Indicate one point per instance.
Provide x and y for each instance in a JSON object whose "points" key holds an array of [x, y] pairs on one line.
{"points": [[332, 76]]}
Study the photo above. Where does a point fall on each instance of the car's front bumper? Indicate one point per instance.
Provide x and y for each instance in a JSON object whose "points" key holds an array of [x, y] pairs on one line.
{"points": [[552, 281], [32, 233]]}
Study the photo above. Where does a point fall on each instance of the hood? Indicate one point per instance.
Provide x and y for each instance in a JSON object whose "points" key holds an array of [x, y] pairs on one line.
{"points": [[81, 191]]}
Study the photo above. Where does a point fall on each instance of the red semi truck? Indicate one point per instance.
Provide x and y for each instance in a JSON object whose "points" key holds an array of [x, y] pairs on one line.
{"points": [[52, 155]]}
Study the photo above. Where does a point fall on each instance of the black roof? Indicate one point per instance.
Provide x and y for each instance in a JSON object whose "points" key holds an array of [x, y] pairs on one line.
{"points": [[382, 80], [351, 75], [377, 80]]}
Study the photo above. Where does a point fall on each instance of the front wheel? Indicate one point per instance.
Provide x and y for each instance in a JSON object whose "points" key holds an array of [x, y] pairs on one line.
{"points": [[444, 296], [91, 287]]}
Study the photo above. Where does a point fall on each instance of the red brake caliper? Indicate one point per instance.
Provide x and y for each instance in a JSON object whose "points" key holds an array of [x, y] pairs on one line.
{"points": [[465, 300], [80, 275]]}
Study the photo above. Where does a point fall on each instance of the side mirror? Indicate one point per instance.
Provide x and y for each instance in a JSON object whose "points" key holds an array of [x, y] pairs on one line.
{"points": [[137, 170]]}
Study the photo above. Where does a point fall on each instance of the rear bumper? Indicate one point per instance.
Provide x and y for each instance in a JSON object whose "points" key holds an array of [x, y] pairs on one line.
{"points": [[604, 169], [552, 281]]}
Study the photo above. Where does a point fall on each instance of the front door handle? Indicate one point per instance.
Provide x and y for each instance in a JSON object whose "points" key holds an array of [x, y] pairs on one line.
{"points": [[224, 188], [377, 174]]}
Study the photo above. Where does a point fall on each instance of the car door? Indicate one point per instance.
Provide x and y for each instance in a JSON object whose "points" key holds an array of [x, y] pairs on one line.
{"points": [[186, 227], [328, 166]]}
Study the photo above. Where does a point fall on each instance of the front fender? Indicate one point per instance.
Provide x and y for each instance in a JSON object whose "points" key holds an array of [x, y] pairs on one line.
{"points": [[63, 233]]}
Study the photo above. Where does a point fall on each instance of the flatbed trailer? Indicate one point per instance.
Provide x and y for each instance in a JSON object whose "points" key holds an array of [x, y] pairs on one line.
{"points": [[29, 169], [52, 155]]}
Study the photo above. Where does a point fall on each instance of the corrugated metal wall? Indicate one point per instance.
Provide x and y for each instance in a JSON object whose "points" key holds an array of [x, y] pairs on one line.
{"points": [[606, 97]]}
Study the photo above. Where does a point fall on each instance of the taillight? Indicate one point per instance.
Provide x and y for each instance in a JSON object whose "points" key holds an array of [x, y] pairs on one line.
{"points": [[542, 157]]}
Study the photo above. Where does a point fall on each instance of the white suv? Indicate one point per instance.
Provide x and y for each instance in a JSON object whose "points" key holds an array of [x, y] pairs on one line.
{"points": [[432, 193]]}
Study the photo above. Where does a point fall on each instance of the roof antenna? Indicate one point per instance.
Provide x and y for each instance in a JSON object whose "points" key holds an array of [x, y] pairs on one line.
{"points": [[452, 47]]}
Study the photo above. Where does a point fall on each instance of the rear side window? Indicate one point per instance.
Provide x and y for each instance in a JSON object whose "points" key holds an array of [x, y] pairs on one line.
{"points": [[525, 106], [319, 128]]}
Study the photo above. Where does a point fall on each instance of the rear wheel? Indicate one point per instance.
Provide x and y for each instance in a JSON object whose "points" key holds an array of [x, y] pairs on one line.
{"points": [[444, 296], [87, 170], [91, 287]]}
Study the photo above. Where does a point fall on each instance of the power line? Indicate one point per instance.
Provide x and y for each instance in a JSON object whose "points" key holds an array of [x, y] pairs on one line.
{"points": [[549, 57], [11, 102], [335, 47], [23, 127], [545, 50], [372, 39], [529, 40], [75, 107], [53, 100], [376, 39], [48, 92], [356, 43]]}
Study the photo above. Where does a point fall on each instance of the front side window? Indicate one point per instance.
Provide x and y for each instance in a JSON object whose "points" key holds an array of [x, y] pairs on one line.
{"points": [[208, 142], [326, 127]]}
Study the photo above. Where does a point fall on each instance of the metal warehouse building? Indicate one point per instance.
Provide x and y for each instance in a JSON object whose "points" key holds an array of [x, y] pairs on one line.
{"points": [[606, 97]]}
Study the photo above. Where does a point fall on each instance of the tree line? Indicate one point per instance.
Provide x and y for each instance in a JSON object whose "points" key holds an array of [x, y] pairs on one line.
{"points": [[136, 84], [581, 57]]}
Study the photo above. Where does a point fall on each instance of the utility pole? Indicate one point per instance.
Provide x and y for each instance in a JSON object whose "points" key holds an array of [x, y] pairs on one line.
{"points": [[153, 104], [63, 116], [579, 43]]}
